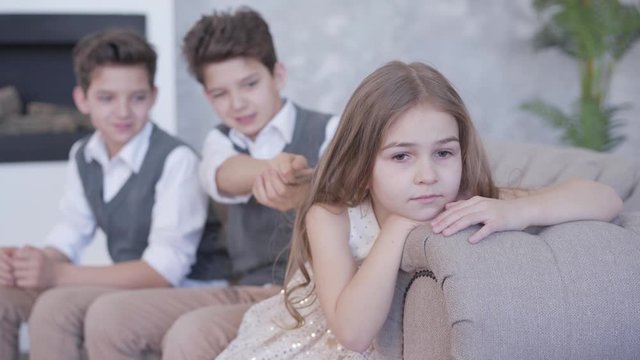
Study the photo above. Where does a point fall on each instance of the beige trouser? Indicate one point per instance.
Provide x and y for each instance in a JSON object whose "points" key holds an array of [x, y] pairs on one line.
{"points": [[117, 324], [15, 306], [180, 323], [55, 321]]}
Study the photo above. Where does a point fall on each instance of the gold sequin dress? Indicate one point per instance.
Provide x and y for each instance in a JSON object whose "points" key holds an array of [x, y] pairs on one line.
{"points": [[265, 332]]}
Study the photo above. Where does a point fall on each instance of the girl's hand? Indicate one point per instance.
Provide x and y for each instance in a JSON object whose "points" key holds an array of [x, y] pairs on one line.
{"points": [[494, 214], [399, 227]]}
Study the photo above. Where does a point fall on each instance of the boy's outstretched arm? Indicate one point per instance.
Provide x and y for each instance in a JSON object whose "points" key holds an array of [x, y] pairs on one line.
{"points": [[237, 174], [517, 209]]}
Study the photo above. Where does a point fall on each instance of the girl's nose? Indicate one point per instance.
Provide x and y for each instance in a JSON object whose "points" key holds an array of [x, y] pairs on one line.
{"points": [[425, 173]]}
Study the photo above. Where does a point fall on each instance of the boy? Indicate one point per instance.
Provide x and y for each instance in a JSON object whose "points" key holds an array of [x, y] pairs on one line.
{"points": [[131, 179], [258, 161]]}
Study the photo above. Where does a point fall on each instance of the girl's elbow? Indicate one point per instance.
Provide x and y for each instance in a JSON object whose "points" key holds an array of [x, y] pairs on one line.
{"points": [[353, 340], [611, 203], [617, 205], [356, 345]]}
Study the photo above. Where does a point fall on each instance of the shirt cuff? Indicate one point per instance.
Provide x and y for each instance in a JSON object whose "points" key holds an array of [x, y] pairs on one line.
{"points": [[171, 264], [58, 239]]}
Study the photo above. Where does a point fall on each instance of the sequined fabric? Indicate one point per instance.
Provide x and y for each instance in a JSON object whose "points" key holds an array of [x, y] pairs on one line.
{"points": [[266, 331]]}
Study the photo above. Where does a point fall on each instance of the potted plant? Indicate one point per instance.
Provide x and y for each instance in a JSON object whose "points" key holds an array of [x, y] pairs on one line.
{"points": [[597, 33]]}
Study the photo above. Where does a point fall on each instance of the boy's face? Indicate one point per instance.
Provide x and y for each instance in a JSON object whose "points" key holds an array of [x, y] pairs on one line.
{"points": [[244, 94], [118, 102]]}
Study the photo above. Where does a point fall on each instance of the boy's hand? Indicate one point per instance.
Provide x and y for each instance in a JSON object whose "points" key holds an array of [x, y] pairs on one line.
{"points": [[6, 267], [271, 190], [33, 269], [494, 214], [288, 167]]}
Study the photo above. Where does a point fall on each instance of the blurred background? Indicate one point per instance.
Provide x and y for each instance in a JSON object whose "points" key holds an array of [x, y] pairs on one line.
{"points": [[486, 48]]}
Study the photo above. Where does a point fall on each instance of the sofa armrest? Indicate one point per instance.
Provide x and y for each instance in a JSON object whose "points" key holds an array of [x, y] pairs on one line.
{"points": [[569, 291], [414, 256]]}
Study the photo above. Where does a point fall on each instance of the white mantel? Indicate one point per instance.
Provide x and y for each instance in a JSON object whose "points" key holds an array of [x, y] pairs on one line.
{"points": [[30, 191]]}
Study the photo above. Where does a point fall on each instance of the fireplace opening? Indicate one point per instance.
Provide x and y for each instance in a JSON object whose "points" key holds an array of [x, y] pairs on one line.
{"points": [[38, 120]]}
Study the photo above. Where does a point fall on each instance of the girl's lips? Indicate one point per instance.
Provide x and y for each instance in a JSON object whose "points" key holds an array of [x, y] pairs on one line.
{"points": [[426, 199]]}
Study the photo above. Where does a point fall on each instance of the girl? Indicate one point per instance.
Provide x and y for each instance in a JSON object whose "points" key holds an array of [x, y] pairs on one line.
{"points": [[405, 153]]}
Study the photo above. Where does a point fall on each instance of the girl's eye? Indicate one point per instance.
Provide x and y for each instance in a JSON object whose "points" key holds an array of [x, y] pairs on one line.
{"points": [[140, 98], [443, 154], [217, 95], [400, 157], [104, 98]]}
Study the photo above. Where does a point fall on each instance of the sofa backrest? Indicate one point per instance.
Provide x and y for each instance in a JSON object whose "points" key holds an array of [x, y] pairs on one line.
{"points": [[522, 165]]}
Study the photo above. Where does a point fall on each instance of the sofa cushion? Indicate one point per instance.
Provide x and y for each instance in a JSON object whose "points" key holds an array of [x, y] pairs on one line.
{"points": [[571, 291]]}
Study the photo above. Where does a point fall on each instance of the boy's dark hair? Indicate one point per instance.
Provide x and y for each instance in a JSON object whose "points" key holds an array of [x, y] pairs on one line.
{"points": [[112, 47], [226, 35]]}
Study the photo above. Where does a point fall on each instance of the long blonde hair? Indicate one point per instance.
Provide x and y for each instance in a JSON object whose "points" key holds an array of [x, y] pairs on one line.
{"points": [[345, 170]]}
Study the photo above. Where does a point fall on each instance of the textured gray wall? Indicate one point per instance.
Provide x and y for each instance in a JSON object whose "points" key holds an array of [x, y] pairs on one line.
{"points": [[483, 47]]}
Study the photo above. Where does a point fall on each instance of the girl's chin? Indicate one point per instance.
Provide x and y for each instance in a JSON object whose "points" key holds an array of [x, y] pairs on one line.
{"points": [[422, 219]]}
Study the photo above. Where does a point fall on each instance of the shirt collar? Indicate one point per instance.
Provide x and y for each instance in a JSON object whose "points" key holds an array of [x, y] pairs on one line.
{"points": [[132, 154], [283, 124]]}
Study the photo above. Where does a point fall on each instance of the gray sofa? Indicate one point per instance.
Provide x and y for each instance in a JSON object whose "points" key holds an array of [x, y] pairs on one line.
{"points": [[570, 291]]}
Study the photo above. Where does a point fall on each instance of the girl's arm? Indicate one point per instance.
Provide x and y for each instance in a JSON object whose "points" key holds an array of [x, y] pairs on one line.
{"points": [[355, 300], [517, 209]]}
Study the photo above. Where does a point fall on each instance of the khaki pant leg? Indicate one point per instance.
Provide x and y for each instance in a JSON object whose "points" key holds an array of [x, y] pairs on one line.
{"points": [[57, 321], [15, 306], [128, 324], [204, 333]]}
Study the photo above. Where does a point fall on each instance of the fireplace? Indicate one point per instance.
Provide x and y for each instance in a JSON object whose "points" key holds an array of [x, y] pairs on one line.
{"points": [[38, 121]]}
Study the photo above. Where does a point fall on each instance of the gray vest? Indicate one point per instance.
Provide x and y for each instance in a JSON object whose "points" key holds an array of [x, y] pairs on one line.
{"points": [[258, 236], [126, 219]]}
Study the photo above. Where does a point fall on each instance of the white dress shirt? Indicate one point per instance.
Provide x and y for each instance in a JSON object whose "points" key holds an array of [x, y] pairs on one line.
{"points": [[178, 214], [269, 142]]}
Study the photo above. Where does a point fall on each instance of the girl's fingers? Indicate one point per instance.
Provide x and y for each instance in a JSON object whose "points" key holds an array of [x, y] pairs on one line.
{"points": [[453, 207], [463, 223], [480, 234], [450, 217]]}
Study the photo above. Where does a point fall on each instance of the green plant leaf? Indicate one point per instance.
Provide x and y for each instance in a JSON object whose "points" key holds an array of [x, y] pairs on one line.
{"points": [[548, 112], [597, 33]]}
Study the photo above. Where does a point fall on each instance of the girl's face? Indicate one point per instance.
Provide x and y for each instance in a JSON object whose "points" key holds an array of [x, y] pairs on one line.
{"points": [[419, 166]]}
